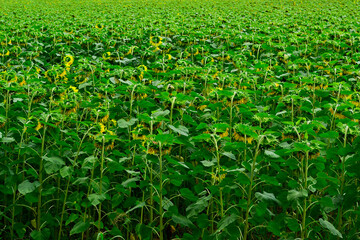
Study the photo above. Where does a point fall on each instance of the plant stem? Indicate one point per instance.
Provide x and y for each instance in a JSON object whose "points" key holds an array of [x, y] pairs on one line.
{"points": [[305, 177], [249, 194], [342, 180], [161, 194], [100, 182], [67, 187]]}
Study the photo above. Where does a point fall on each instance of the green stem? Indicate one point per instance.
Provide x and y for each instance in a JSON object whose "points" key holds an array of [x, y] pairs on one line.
{"points": [[151, 183], [67, 187], [38, 223], [161, 194], [249, 194], [305, 177], [172, 108], [15, 187], [342, 180], [100, 183], [231, 115]]}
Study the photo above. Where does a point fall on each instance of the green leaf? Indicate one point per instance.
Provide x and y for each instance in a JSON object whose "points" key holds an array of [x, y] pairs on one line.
{"points": [[243, 178], [66, 171], [330, 134], [71, 219], [201, 126], [271, 154], [220, 127], [167, 203], [130, 182], [95, 199], [180, 130], [43, 234], [204, 136], [7, 140], [265, 196], [294, 194], [293, 225], [159, 114], [52, 164], [229, 155], [182, 220], [27, 187], [226, 221], [79, 227], [189, 119], [274, 227], [301, 147], [165, 138], [261, 209], [198, 206], [246, 130], [175, 162], [89, 162], [270, 180], [207, 163], [122, 123], [202, 221], [188, 194], [139, 205], [330, 227], [326, 202]]}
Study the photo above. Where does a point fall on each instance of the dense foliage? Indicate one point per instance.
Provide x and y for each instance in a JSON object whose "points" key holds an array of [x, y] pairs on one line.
{"points": [[179, 119]]}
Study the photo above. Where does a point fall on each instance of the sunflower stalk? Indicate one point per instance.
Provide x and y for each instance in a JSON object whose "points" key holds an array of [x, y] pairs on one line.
{"points": [[250, 189]]}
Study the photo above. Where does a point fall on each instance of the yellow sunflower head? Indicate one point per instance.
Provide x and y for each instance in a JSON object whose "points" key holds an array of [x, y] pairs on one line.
{"points": [[106, 55], [74, 89], [68, 60], [155, 44], [143, 68]]}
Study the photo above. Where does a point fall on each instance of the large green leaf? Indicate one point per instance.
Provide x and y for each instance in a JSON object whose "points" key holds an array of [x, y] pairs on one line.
{"points": [[165, 138], [52, 164], [186, 193], [198, 206], [229, 155], [271, 154], [182, 220], [122, 123], [43, 234], [96, 199], [66, 171], [180, 130], [7, 139], [326, 224], [265, 196], [27, 187], [294, 194], [79, 227], [226, 221]]}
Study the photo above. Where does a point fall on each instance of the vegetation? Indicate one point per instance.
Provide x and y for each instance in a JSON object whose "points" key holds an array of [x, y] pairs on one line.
{"points": [[179, 119]]}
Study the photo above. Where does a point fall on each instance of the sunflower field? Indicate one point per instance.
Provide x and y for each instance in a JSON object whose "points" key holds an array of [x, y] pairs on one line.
{"points": [[179, 119]]}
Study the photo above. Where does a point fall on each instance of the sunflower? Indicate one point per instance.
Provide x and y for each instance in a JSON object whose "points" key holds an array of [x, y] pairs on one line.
{"points": [[68, 60], [144, 68], [106, 56], [219, 175], [99, 26], [225, 134], [39, 126], [240, 138], [5, 54], [155, 44], [75, 90], [142, 71]]}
